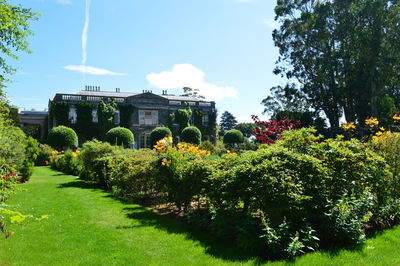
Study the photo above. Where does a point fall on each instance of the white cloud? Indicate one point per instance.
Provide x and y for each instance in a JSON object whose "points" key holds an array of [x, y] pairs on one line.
{"points": [[186, 75], [85, 32], [65, 2], [271, 23], [93, 70]]}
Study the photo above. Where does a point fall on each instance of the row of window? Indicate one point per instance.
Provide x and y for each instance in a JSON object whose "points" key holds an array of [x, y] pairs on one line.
{"points": [[146, 117]]}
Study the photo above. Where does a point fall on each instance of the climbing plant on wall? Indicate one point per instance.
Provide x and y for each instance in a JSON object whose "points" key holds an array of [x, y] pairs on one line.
{"points": [[198, 122], [170, 123], [125, 113], [84, 126], [212, 124], [182, 117], [105, 113], [60, 113]]}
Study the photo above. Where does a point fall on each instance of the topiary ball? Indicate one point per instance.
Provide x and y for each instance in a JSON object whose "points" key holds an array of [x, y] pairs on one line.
{"points": [[120, 136], [191, 135], [62, 137], [233, 136], [159, 133]]}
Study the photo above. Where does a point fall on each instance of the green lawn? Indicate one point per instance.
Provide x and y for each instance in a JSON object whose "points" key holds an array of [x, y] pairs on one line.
{"points": [[87, 226]]}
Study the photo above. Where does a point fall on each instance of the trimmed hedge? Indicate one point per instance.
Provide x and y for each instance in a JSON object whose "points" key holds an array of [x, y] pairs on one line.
{"points": [[233, 136], [159, 133], [62, 137], [120, 136], [295, 196], [191, 135]]}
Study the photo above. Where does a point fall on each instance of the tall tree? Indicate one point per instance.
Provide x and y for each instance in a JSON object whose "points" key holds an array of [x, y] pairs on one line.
{"points": [[344, 53], [14, 30], [228, 122], [246, 128], [187, 91]]}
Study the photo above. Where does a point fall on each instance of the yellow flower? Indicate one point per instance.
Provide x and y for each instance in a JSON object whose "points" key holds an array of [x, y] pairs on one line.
{"points": [[349, 126], [396, 117], [379, 133], [382, 129], [164, 161], [372, 122]]}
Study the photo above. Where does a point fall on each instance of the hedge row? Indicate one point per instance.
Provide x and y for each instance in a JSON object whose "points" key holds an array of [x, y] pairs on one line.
{"points": [[283, 200]]}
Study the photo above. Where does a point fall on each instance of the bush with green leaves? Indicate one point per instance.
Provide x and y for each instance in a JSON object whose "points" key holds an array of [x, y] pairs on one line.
{"points": [[31, 152], [208, 146], [66, 163], [191, 135], [91, 168], [159, 133], [133, 174], [44, 155], [183, 175], [62, 137], [120, 136], [233, 136]]}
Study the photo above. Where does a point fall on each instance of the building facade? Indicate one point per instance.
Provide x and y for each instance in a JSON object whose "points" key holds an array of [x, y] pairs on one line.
{"points": [[146, 111]]}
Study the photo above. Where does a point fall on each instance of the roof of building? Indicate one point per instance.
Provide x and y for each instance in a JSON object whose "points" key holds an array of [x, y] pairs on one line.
{"points": [[129, 94]]}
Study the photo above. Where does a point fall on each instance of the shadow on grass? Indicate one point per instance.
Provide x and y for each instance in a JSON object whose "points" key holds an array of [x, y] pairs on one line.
{"points": [[147, 218], [212, 245]]}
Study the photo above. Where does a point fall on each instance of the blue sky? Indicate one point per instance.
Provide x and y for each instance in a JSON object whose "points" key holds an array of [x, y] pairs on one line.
{"points": [[222, 47]]}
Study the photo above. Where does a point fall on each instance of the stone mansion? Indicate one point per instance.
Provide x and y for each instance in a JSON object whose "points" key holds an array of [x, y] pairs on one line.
{"points": [[149, 110]]}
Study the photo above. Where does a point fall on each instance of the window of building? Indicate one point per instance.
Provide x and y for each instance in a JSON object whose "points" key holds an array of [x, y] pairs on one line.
{"points": [[144, 140], [117, 117], [147, 117], [191, 103], [174, 102], [95, 118], [72, 114], [205, 119]]}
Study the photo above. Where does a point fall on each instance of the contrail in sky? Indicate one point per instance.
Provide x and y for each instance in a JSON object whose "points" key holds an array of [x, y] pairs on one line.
{"points": [[85, 32], [83, 68]]}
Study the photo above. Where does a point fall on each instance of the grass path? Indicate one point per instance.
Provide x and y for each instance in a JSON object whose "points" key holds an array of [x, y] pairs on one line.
{"points": [[89, 227]]}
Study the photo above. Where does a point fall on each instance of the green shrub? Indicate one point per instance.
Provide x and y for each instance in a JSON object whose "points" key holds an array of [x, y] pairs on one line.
{"points": [[233, 136], [66, 163], [133, 175], [92, 169], [191, 135], [62, 137], [44, 155], [31, 152], [208, 146], [120, 136], [159, 133], [183, 175]]}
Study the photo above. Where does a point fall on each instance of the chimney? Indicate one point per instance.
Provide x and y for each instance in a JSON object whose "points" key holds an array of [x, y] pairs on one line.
{"points": [[117, 90]]}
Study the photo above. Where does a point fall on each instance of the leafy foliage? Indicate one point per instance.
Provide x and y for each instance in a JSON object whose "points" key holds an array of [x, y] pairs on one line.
{"points": [[85, 128], [246, 129], [228, 122], [62, 137], [60, 112], [191, 135], [14, 31], [267, 132], [43, 157], [182, 117], [233, 136], [344, 54], [126, 112], [105, 113], [159, 133], [120, 136]]}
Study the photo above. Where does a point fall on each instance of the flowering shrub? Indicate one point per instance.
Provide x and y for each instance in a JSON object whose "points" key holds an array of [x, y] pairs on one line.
{"points": [[279, 201], [267, 132]]}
